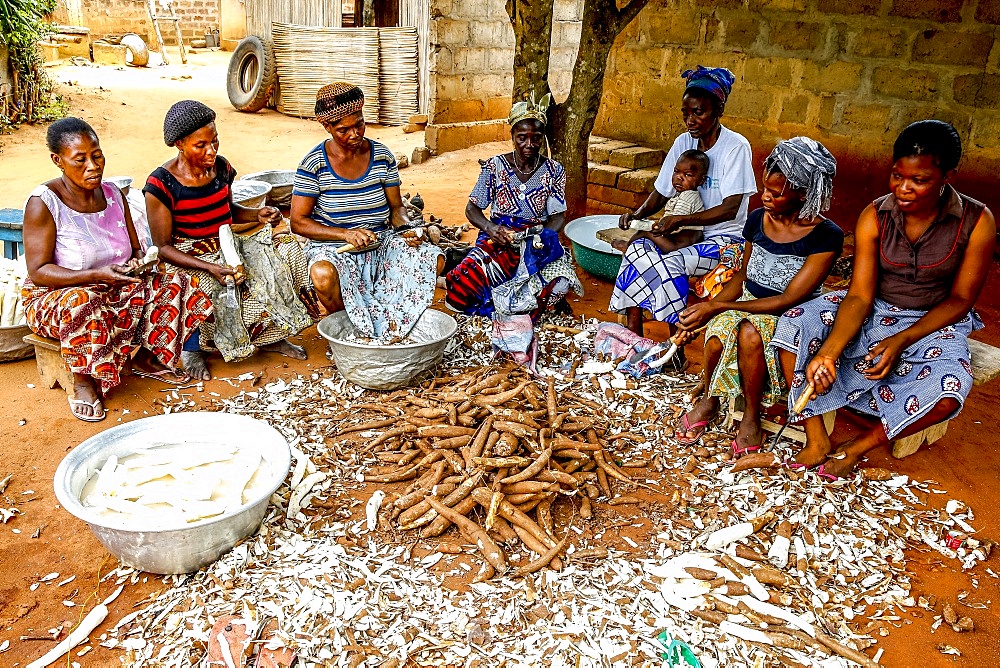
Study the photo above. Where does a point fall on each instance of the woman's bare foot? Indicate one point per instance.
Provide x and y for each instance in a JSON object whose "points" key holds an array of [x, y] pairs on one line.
{"points": [[815, 453], [287, 349], [86, 401], [193, 362]]}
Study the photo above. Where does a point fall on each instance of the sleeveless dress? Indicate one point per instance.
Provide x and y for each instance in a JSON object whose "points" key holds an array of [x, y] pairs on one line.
{"points": [[913, 278], [270, 302], [99, 326]]}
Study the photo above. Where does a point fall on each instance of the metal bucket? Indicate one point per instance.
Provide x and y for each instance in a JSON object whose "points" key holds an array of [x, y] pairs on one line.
{"points": [[388, 367], [281, 185], [251, 194], [123, 182], [194, 545]]}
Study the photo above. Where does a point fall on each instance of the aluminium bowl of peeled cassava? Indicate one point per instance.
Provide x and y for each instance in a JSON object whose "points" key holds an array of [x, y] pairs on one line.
{"points": [[281, 181], [250, 194], [185, 547]]}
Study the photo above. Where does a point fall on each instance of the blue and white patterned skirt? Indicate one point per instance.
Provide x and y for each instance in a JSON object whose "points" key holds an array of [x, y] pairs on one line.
{"points": [[936, 367]]}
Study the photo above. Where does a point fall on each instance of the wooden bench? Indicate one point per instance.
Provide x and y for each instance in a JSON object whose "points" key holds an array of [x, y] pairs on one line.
{"points": [[52, 370], [985, 367], [794, 432]]}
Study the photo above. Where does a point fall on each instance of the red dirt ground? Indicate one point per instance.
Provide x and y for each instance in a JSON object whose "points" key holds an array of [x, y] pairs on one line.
{"points": [[36, 429]]}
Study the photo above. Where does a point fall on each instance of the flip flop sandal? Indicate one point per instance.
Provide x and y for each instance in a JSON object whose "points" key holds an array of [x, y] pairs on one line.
{"points": [[94, 405], [271, 653], [829, 477], [229, 641], [739, 452], [703, 426], [168, 376], [793, 465]]}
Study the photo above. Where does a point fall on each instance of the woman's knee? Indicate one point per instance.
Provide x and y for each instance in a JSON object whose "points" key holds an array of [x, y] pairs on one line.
{"points": [[713, 346], [324, 276], [749, 338]]}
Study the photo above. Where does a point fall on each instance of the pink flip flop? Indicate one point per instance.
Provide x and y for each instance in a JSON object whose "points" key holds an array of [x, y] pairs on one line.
{"points": [[793, 465], [739, 452], [829, 477], [703, 426]]}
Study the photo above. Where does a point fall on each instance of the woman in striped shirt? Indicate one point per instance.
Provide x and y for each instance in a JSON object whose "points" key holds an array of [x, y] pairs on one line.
{"points": [[187, 200], [346, 192]]}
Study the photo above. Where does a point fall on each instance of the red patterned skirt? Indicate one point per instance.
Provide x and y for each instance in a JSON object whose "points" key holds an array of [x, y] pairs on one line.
{"points": [[99, 326]]}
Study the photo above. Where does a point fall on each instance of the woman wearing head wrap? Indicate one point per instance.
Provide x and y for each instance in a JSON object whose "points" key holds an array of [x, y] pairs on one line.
{"points": [[789, 251], [656, 267], [518, 267], [346, 196], [895, 344], [84, 287], [188, 200]]}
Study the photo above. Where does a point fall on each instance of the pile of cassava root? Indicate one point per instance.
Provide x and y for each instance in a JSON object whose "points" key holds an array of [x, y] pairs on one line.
{"points": [[493, 455]]}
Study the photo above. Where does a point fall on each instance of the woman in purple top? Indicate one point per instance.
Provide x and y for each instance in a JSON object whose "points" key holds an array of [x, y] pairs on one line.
{"points": [[895, 344]]}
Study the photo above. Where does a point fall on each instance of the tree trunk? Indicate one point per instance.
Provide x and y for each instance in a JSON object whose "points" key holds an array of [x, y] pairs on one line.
{"points": [[571, 122], [532, 23], [367, 13]]}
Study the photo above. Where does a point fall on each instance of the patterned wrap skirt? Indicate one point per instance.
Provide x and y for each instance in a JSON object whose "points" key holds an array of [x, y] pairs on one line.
{"points": [[471, 283], [660, 282], [98, 326], [385, 290], [726, 381], [270, 302], [937, 366]]}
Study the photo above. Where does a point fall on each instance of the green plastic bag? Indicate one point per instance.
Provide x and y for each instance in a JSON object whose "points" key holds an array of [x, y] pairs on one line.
{"points": [[677, 650]]}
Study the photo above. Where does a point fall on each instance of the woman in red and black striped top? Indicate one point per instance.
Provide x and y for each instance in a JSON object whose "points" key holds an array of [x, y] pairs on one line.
{"points": [[187, 200], [198, 211]]}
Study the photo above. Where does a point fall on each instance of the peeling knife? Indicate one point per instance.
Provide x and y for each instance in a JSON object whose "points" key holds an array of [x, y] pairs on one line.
{"points": [[800, 405]]}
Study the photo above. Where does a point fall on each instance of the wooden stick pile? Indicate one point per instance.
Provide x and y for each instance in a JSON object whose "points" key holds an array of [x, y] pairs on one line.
{"points": [[493, 445]]}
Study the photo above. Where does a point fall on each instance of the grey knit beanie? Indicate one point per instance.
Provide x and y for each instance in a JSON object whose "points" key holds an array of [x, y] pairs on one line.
{"points": [[185, 117]]}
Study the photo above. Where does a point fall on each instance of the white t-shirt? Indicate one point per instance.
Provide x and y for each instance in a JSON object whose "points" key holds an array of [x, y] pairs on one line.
{"points": [[730, 172]]}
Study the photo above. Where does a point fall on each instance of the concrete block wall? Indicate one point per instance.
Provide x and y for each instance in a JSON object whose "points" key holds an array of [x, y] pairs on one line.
{"points": [[472, 57], [116, 17], [849, 73], [620, 174]]}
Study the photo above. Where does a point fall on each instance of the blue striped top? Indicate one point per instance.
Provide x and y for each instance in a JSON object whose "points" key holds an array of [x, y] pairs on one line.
{"points": [[350, 203]]}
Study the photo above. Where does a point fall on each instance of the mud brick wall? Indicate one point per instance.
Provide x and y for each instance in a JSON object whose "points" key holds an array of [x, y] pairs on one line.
{"points": [[117, 17], [850, 73], [472, 57]]}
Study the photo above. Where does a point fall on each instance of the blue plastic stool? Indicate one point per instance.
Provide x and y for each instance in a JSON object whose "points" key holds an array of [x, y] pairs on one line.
{"points": [[11, 222]]}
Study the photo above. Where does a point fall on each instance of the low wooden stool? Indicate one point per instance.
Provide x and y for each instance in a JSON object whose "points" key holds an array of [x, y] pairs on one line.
{"points": [[793, 432], [52, 370]]}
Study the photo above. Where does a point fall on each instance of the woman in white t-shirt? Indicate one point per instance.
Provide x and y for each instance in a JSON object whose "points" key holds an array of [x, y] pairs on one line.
{"points": [[656, 269]]}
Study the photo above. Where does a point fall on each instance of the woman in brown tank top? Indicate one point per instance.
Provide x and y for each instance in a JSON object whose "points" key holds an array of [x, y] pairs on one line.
{"points": [[894, 345]]}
